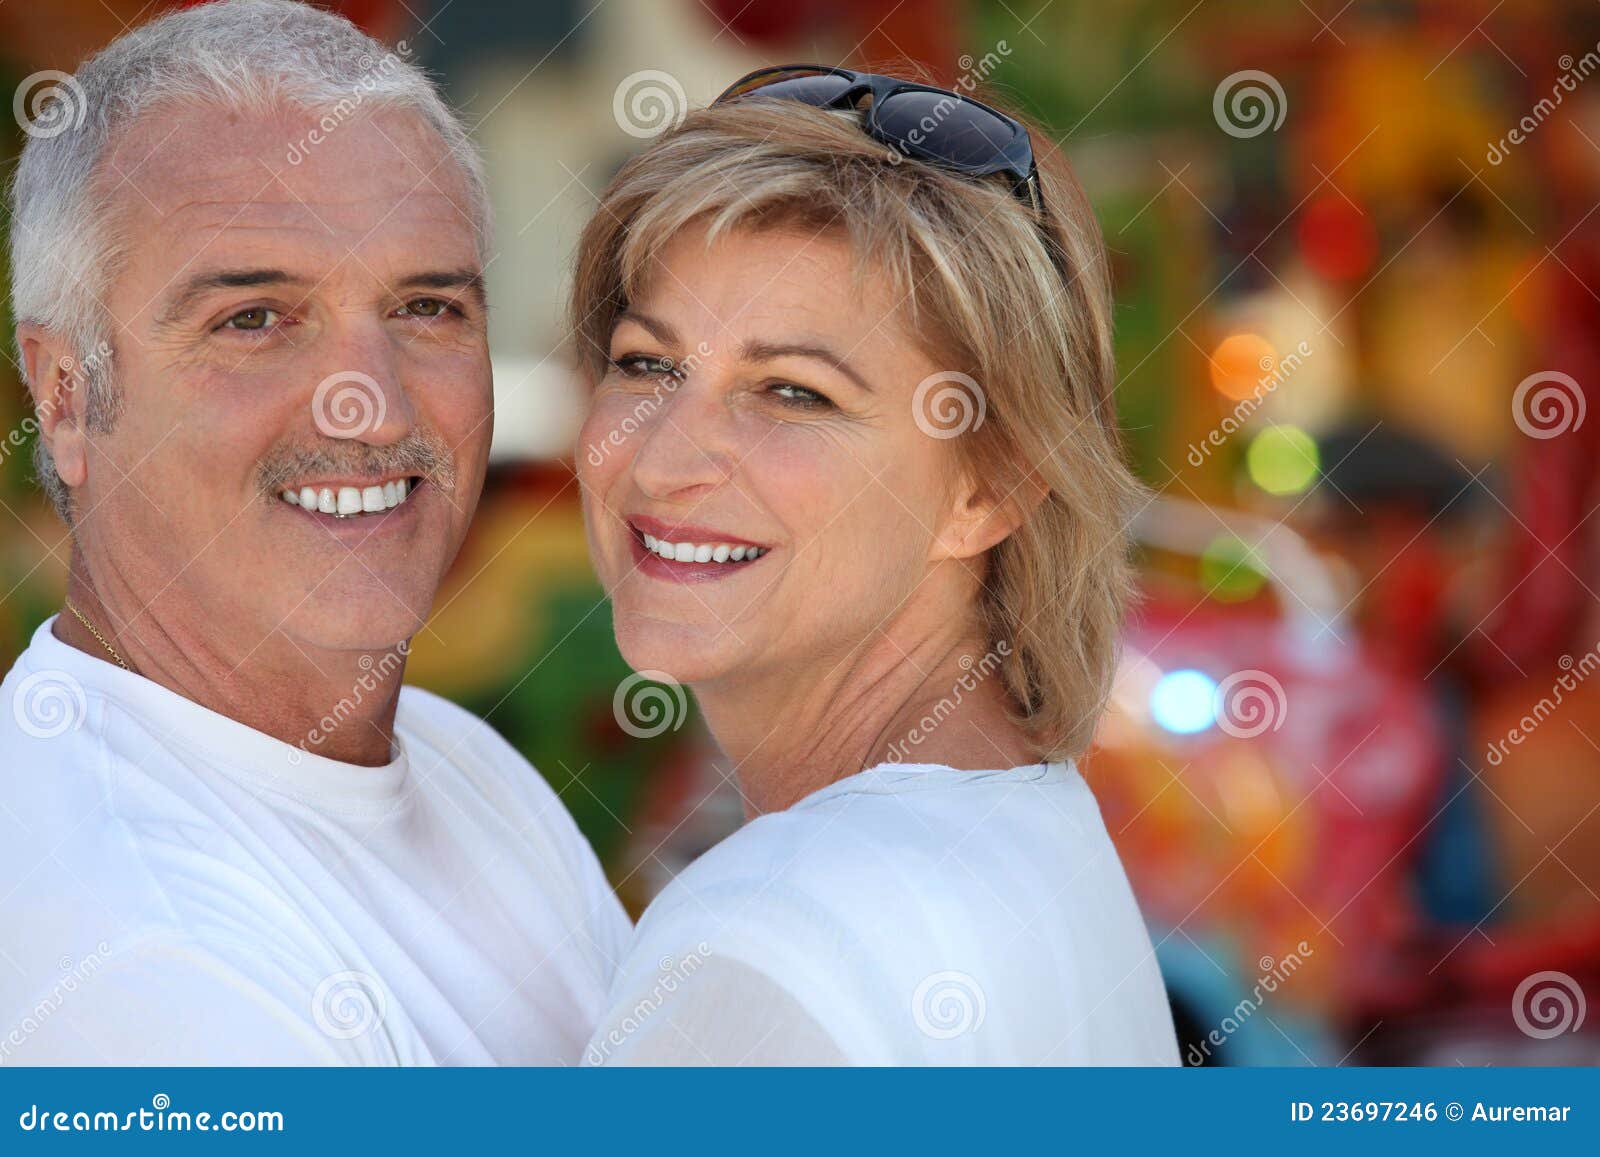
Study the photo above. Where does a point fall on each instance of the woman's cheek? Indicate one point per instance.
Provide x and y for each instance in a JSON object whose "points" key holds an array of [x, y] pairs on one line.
{"points": [[605, 442]]}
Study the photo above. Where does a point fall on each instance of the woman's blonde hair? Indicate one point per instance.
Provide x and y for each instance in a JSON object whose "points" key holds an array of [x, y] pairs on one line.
{"points": [[1032, 329]]}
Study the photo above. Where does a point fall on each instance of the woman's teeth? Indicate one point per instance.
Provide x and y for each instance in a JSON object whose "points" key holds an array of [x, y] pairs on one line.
{"points": [[703, 551], [345, 501]]}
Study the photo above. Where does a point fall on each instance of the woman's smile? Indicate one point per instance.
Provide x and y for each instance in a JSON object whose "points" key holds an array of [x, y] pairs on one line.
{"points": [[679, 552]]}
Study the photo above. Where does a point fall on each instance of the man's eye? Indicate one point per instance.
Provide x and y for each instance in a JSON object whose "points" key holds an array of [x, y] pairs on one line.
{"points": [[426, 307], [258, 318]]}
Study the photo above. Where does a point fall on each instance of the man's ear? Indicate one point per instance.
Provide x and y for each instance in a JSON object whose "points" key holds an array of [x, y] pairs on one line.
{"points": [[56, 382], [984, 514]]}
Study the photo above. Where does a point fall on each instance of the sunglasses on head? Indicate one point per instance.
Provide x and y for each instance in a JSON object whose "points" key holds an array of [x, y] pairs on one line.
{"points": [[928, 124]]}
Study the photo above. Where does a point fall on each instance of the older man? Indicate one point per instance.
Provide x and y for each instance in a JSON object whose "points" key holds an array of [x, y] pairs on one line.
{"points": [[247, 251]]}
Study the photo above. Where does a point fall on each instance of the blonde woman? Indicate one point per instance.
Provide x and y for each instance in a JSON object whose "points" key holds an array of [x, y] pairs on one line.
{"points": [[852, 475]]}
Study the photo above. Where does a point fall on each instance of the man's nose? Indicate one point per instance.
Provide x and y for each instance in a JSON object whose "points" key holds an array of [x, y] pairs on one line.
{"points": [[362, 395]]}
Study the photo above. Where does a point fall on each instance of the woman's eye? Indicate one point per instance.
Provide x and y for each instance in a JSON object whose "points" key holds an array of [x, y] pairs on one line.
{"points": [[426, 307], [644, 366], [800, 396], [256, 318]]}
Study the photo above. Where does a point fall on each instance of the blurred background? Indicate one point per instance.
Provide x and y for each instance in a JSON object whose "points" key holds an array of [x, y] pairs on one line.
{"points": [[1353, 759]]}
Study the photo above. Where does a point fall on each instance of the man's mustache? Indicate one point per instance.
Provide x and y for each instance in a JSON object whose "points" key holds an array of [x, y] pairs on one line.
{"points": [[418, 453]]}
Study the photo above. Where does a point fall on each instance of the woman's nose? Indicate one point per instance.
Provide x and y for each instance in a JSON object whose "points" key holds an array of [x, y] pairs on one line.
{"points": [[686, 448]]}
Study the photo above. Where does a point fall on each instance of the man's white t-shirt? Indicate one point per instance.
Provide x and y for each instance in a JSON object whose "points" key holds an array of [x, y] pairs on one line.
{"points": [[906, 915], [177, 888]]}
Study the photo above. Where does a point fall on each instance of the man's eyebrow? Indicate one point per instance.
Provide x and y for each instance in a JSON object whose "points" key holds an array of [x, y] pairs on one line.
{"points": [[657, 328], [768, 351], [205, 281], [468, 281]]}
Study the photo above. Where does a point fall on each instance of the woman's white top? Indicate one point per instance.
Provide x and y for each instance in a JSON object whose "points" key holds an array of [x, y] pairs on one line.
{"points": [[906, 915]]}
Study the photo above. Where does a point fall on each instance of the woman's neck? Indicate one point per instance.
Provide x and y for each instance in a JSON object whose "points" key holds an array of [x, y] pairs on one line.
{"points": [[906, 695]]}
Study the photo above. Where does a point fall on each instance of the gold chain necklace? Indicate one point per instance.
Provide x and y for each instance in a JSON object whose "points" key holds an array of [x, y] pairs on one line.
{"points": [[99, 638]]}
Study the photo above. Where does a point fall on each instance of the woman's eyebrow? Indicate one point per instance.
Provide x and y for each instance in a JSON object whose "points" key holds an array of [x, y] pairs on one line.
{"points": [[768, 351], [657, 328]]}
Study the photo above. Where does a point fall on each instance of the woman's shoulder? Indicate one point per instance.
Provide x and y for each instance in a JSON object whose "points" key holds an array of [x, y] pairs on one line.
{"points": [[885, 904], [903, 861], [899, 827]]}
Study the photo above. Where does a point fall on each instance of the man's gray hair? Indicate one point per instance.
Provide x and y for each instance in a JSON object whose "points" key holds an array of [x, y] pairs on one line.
{"points": [[238, 55]]}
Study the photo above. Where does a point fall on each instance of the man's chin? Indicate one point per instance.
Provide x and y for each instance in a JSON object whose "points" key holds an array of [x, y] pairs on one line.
{"points": [[377, 622]]}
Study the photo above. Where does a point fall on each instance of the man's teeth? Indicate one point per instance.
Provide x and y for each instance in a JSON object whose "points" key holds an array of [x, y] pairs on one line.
{"points": [[703, 551], [345, 501]]}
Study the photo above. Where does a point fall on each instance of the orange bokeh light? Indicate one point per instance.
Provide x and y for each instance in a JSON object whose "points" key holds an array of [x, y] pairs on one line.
{"points": [[1239, 364]]}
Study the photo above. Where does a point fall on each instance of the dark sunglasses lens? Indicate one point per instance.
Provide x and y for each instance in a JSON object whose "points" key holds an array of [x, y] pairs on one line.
{"points": [[815, 88], [955, 131]]}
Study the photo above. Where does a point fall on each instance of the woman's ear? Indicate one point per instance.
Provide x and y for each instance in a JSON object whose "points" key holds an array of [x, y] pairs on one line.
{"points": [[56, 381], [984, 514]]}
